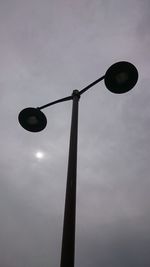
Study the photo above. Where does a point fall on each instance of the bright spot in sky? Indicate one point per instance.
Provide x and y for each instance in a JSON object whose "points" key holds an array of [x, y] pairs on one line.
{"points": [[39, 155]]}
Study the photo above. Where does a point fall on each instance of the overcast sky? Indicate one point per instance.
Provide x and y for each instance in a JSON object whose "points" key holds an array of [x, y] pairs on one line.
{"points": [[48, 48]]}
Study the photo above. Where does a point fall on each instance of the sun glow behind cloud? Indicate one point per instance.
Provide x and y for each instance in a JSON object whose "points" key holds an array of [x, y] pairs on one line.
{"points": [[39, 155]]}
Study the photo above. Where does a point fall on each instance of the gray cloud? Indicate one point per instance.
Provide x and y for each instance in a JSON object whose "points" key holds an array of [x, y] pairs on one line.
{"points": [[47, 49]]}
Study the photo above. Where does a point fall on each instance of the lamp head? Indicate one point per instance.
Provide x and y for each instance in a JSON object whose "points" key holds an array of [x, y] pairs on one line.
{"points": [[121, 77], [32, 119]]}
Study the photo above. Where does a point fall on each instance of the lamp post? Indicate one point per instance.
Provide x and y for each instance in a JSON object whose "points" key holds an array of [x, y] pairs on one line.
{"points": [[119, 78]]}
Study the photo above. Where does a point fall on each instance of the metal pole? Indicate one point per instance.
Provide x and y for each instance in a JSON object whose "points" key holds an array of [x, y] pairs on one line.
{"points": [[68, 239]]}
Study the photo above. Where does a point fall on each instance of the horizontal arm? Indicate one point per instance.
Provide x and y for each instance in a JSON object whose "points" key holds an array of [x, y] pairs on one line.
{"points": [[56, 101], [71, 97]]}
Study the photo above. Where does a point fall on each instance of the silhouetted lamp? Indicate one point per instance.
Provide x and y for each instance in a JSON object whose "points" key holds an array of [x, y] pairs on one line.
{"points": [[121, 77], [32, 119]]}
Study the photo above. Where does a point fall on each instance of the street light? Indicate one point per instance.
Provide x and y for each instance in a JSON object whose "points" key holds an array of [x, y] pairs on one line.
{"points": [[119, 78]]}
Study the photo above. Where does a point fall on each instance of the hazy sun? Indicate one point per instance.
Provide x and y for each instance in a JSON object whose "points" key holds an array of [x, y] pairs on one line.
{"points": [[39, 155]]}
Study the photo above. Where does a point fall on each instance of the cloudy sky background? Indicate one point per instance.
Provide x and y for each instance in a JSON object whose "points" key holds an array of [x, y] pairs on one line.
{"points": [[47, 49]]}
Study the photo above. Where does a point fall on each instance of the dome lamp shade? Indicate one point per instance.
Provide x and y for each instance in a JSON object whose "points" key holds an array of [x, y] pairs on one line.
{"points": [[32, 119], [121, 77]]}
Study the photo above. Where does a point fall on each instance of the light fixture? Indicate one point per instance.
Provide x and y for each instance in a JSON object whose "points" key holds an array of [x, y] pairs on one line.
{"points": [[32, 119], [121, 77]]}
